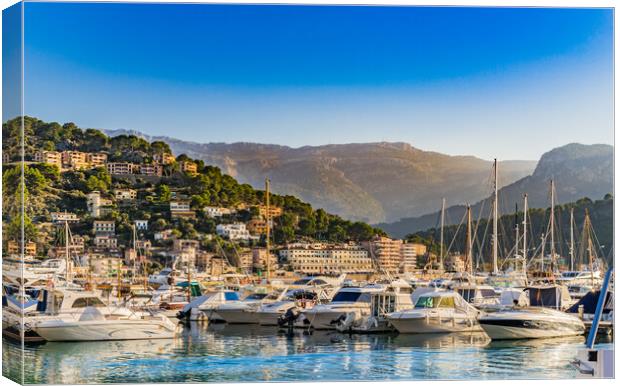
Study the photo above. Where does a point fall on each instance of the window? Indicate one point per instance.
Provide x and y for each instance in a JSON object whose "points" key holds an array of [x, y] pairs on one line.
{"points": [[346, 297], [231, 296], [256, 297], [87, 302]]}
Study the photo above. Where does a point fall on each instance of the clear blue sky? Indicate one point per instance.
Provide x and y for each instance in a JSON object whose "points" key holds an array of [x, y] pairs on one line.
{"points": [[492, 82]]}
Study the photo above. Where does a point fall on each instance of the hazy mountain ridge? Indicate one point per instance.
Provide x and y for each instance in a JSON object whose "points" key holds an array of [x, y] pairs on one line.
{"points": [[578, 171], [372, 182]]}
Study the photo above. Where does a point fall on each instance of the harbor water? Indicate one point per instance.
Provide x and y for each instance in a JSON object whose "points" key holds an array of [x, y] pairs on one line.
{"points": [[245, 353]]}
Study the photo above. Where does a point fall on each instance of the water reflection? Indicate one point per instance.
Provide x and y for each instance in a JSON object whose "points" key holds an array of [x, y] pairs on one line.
{"points": [[224, 353]]}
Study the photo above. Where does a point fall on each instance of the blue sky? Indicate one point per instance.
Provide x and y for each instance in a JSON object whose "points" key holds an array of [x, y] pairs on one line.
{"points": [[499, 82]]}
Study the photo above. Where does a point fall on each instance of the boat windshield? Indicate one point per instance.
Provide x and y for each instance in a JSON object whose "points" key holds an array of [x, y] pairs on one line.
{"points": [[231, 296], [256, 297], [301, 281], [351, 297], [87, 302], [435, 302]]}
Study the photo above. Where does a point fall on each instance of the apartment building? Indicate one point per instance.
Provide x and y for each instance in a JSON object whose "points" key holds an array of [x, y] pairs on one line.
{"points": [[13, 248], [189, 167], [125, 194], [75, 160], [181, 209], [235, 231], [106, 241], [214, 211], [62, 217], [104, 227], [164, 158], [274, 211], [151, 170], [257, 226], [120, 168], [386, 252], [49, 157], [97, 160], [410, 253], [181, 244], [323, 258]]}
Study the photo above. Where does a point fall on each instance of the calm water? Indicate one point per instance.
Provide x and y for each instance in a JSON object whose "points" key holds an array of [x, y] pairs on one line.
{"points": [[224, 353]]}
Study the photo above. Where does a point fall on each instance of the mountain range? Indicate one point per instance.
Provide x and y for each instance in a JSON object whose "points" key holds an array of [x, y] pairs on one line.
{"points": [[578, 171], [370, 182], [399, 187]]}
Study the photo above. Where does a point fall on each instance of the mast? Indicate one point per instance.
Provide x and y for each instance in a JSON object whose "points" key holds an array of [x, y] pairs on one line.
{"points": [[495, 270], [267, 257], [586, 230], [571, 249], [542, 253], [118, 279], [189, 280], [524, 232], [469, 245], [67, 259], [516, 255], [552, 223], [443, 214], [133, 233]]}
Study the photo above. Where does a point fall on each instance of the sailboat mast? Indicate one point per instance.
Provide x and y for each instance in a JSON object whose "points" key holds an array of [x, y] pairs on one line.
{"points": [[571, 250], [586, 229], [524, 231], [268, 256], [469, 245], [495, 270], [552, 223], [542, 253], [443, 214], [67, 259]]}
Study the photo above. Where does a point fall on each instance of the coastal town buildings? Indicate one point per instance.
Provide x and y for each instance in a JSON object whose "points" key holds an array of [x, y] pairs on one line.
{"points": [[62, 217], [321, 258], [386, 252], [189, 167], [164, 158], [141, 225], [215, 212], [236, 231], [410, 253], [14, 248], [125, 194], [273, 211], [181, 209]]}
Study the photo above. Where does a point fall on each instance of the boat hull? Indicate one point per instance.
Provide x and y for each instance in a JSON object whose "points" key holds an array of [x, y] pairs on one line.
{"points": [[324, 320], [101, 331], [434, 325], [238, 316], [529, 329]]}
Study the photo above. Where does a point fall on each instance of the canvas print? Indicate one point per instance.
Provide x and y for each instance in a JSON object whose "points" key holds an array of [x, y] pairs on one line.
{"points": [[253, 193]]}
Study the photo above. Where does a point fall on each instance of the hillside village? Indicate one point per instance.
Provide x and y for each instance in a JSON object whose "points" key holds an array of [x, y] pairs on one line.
{"points": [[124, 202]]}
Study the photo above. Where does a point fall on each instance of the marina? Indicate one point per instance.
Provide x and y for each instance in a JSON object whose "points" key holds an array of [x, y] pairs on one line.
{"points": [[238, 353]]}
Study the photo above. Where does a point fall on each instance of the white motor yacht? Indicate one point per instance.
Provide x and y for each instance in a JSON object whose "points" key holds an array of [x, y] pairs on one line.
{"points": [[244, 311], [530, 322], [396, 296], [289, 309], [93, 325], [348, 300], [204, 308], [437, 312]]}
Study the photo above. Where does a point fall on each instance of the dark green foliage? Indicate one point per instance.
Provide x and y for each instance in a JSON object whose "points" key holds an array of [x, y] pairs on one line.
{"points": [[210, 187], [601, 214]]}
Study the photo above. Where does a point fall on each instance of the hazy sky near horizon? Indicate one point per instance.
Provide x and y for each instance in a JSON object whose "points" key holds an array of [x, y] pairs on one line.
{"points": [[491, 82]]}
